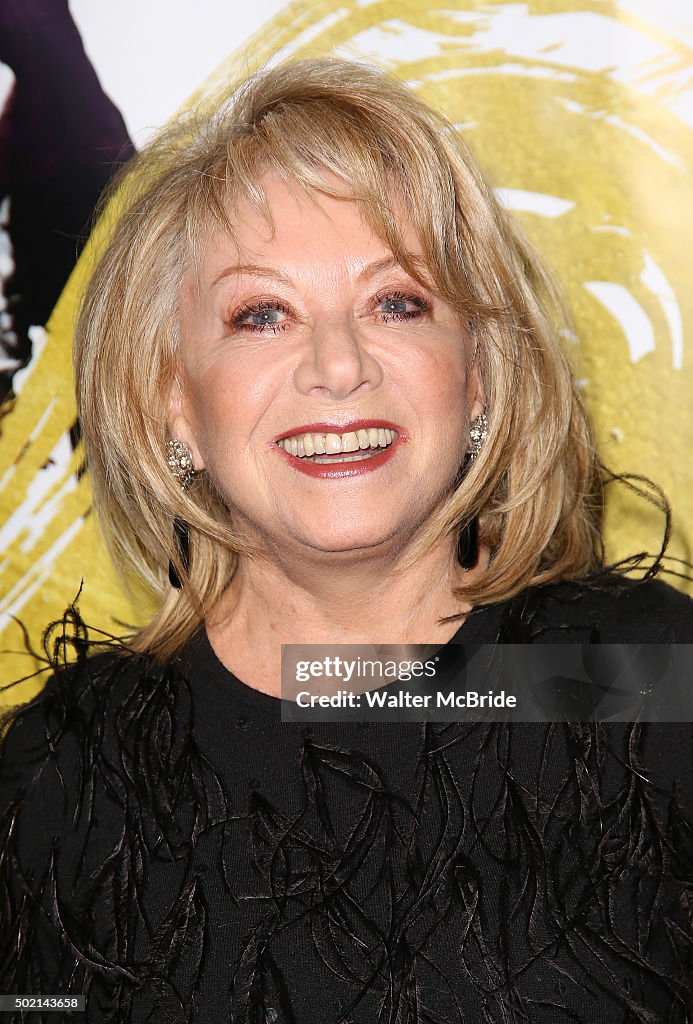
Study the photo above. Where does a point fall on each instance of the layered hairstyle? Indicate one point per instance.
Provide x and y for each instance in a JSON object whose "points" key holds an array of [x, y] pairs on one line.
{"points": [[349, 131]]}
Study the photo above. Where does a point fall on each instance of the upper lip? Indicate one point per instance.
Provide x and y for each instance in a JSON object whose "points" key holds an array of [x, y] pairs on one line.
{"points": [[347, 427]]}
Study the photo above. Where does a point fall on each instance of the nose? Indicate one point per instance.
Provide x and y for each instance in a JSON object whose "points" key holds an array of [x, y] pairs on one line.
{"points": [[335, 362]]}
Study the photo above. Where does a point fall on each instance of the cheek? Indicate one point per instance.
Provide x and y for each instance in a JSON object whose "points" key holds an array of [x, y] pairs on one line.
{"points": [[231, 412], [214, 404], [441, 395], [439, 386], [216, 420]]}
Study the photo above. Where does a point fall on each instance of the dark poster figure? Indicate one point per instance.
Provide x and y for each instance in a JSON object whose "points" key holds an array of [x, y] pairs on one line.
{"points": [[60, 140]]}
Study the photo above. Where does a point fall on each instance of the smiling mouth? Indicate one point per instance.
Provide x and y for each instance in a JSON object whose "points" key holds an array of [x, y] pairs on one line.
{"points": [[353, 446]]}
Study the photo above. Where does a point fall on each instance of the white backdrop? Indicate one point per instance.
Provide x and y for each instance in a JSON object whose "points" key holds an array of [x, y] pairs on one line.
{"points": [[152, 54]]}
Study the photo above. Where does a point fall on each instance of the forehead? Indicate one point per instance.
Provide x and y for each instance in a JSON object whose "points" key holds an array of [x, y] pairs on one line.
{"points": [[299, 225]]}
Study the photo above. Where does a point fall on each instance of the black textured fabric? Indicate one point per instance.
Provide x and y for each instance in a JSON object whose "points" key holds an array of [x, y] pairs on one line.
{"points": [[175, 851]]}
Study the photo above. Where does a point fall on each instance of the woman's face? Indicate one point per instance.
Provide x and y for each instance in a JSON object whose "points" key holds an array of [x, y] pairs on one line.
{"points": [[327, 393]]}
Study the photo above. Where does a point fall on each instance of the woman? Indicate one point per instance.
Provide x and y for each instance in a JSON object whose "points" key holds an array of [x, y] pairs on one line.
{"points": [[323, 400]]}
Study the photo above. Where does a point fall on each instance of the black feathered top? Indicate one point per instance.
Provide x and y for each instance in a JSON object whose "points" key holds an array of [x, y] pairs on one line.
{"points": [[172, 849]]}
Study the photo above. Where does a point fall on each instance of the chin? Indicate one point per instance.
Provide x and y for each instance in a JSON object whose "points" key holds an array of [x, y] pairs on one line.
{"points": [[353, 545]]}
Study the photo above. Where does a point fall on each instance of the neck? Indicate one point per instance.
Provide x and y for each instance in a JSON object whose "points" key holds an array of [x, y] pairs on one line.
{"points": [[335, 598]]}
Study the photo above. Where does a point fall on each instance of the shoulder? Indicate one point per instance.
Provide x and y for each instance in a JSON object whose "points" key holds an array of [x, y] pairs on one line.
{"points": [[68, 697], [604, 608], [101, 702], [49, 743], [90, 728], [65, 706]]}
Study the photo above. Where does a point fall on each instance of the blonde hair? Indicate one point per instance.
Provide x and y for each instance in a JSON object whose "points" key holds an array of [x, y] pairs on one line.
{"points": [[351, 131]]}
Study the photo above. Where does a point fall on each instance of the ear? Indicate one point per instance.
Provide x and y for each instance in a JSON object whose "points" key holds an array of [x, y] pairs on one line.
{"points": [[179, 419]]}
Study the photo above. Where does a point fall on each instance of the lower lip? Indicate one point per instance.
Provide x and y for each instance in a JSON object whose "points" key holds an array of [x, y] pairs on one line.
{"points": [[340, 470]]}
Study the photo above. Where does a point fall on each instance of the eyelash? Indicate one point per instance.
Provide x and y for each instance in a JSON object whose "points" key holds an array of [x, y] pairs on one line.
{"points": [[238, 320], [421, 306]]}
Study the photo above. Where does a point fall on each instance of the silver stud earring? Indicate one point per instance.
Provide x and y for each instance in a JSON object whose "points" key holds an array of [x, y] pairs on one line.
{"points": [[478, 432], [179, 458]]}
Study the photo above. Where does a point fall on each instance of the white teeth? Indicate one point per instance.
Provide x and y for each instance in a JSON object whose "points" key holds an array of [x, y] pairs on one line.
{"points": [[314, 445], [350, 442]]}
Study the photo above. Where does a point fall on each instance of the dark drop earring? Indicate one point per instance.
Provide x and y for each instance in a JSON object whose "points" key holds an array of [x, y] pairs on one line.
{"points": [[468, 546], [181, 534]]}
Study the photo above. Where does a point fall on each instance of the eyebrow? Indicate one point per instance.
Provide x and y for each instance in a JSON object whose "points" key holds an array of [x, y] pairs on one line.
{"points": [[370, 271], [252, 270]]}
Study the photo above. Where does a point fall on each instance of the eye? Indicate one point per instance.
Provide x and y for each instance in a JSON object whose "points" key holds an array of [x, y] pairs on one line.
{"points": [[398, 306], [266, 315]]}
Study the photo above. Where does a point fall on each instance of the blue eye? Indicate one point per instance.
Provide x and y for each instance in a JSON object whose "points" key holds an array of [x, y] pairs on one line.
{"points": [[268, 315], [264, 317], [396, 306]]}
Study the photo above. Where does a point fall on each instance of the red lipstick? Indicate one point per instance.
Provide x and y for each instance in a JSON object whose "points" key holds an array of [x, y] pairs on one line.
{"points": [[341, 469]]}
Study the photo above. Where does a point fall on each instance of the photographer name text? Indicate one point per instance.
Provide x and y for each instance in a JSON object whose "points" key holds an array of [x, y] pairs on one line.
{"points": [[405, 699]]}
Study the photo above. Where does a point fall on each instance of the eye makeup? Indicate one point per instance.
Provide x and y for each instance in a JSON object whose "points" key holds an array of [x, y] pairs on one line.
{"points": [[264, 312], [395, 299]]}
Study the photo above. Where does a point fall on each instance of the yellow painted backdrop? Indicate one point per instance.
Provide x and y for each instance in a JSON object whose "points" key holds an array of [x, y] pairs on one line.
{"points": [[594, 160]]}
